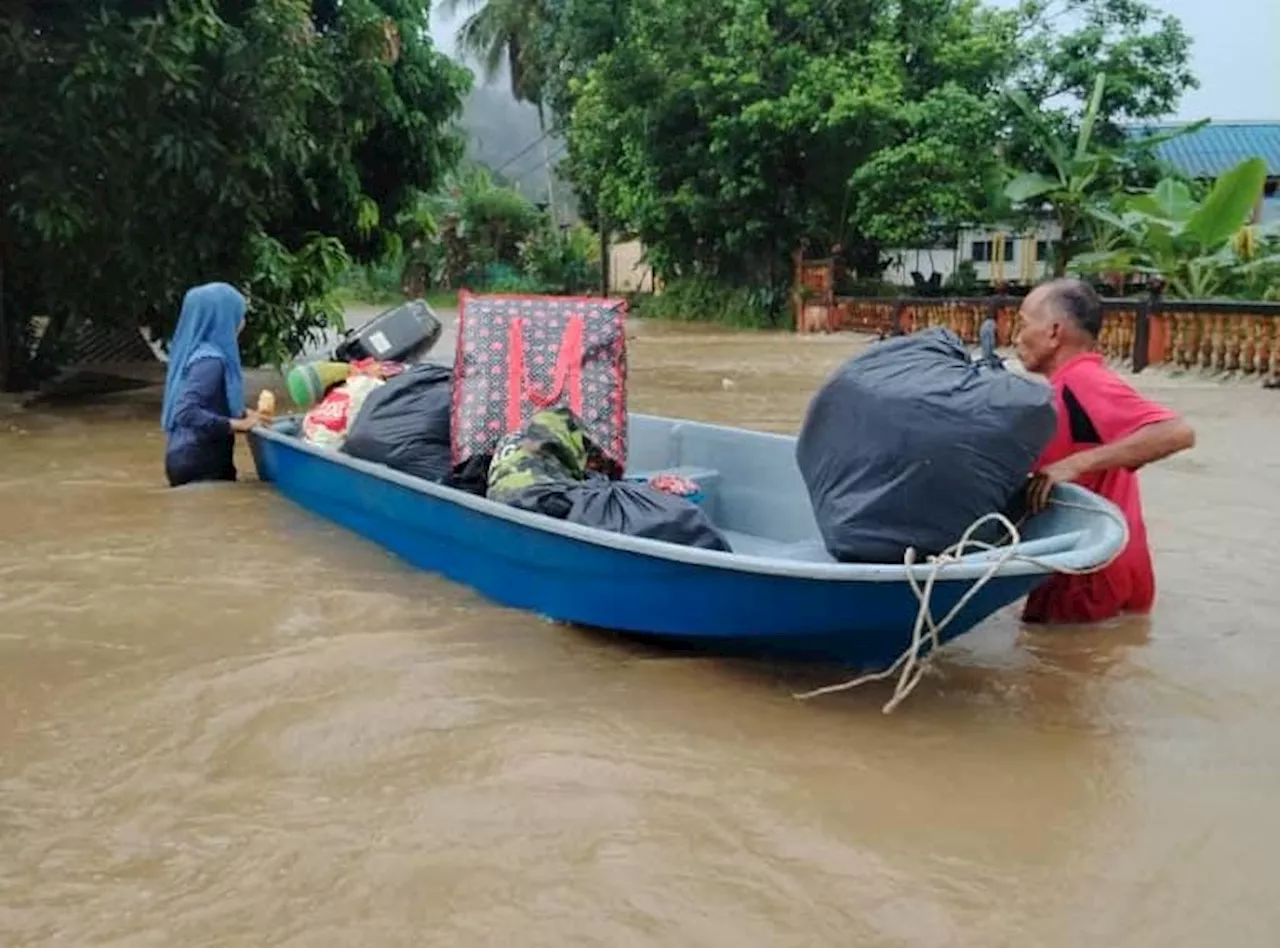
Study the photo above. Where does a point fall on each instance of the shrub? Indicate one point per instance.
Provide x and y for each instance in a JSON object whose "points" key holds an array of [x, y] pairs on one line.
{"points": [[565, 261], [701, 299]]}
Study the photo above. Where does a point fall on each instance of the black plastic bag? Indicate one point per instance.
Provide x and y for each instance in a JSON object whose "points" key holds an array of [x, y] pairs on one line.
{"points": [[404, 423], [910, 442], [546, 468], [637, 510]]}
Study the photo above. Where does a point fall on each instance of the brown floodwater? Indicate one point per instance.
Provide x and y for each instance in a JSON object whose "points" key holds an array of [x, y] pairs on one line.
{"points": [[225, 723]]}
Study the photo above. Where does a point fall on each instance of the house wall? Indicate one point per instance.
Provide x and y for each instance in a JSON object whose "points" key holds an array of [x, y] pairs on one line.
{"points": [[1022, 264], [628, 273], [925, 261], [1269, 212], [1028, 254]]}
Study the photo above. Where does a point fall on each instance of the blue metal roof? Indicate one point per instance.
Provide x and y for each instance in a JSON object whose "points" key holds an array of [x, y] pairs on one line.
{"points": [[1219, 146]]}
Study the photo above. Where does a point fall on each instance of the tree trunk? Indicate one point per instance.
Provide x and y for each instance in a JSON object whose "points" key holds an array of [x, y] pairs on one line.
{"points": [[413, 279], [1066, 245]]}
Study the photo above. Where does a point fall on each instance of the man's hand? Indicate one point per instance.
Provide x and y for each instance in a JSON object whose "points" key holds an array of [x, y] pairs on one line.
{"points": [[1043, 482], [1149, 443]]}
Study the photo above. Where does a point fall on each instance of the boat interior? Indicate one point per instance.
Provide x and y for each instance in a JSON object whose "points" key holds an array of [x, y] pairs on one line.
{"points": [[753, 491]]}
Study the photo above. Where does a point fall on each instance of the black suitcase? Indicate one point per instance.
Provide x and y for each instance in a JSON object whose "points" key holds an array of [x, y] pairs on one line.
{"points": [[403, 334]]}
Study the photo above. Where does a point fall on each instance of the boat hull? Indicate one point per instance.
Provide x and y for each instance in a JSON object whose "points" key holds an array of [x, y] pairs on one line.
{"points": [[861, 616]]}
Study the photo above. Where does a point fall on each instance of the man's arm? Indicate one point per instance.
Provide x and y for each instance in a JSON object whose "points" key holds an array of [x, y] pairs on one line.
{"points": [[1153, 442]]}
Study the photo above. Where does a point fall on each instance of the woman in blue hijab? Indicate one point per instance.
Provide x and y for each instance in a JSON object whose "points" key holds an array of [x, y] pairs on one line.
{"points": [[204, 387]]}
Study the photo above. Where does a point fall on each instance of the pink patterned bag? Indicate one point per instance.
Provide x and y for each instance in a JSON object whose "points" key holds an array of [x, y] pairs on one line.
{"points": [[520, 354]]}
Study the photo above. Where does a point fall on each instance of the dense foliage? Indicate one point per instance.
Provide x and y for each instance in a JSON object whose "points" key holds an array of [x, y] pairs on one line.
{"points": [[149, 145], [152, 144], [725, 134], [1195, 248], [479, 233]]}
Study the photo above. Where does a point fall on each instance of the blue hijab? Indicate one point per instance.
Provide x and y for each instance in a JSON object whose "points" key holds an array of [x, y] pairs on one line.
{"points": [[207, 329]]}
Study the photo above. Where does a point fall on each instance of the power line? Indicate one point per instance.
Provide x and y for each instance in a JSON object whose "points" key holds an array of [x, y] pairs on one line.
{"points": [[556, 156], [522, 152]]}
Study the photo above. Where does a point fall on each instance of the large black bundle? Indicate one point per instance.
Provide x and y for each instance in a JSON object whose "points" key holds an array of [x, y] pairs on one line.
{"points": [[637, 510], [404, 424], [910, 442]]}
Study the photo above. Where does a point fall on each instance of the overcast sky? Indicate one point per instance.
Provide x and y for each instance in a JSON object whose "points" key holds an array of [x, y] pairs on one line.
{"points": [[1236, 56]]}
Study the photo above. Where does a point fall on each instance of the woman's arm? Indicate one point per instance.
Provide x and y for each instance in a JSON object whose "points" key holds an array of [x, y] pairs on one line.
{"points": [[200, 402]]}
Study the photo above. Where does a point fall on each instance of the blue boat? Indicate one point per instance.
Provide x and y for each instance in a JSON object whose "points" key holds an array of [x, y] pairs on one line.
{"points": [[779, 593]]}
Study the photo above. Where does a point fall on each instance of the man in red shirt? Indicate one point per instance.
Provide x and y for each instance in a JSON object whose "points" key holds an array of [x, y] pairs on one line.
{"points": [[1106, 432]]}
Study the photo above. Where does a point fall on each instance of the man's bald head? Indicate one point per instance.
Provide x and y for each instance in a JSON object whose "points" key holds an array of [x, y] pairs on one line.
{"points": [[1057, 320]]}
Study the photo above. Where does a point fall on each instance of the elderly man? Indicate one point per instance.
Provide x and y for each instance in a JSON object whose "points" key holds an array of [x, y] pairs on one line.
{"points": [[1106, 432]]}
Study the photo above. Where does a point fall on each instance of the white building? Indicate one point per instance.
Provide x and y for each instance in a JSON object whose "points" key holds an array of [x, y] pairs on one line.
{"points": [[997, 254], [1001, 254]]}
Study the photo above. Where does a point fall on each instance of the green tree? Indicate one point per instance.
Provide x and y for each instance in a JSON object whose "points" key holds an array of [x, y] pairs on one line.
{"points": [[152, 144], [510, 32], [1067, 142], [725, 133], [1065, 44], [471, 223]]}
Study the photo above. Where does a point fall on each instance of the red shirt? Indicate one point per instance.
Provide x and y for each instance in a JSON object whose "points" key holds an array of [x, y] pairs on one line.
{"points": [[1095, 407]]}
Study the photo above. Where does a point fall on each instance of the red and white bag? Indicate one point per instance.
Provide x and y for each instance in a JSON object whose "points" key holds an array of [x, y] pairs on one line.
{"points": [[520, 354], [327, 423]]}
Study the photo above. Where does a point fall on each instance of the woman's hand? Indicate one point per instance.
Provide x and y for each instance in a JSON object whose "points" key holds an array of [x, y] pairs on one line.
{"points": [[250, 420]]}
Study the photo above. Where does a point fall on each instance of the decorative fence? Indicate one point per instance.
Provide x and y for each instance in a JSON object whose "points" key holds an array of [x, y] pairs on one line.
{"points": [[1221, 336]]}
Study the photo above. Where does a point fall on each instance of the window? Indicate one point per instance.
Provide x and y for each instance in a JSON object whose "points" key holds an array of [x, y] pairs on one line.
{"points": [[983, 251], [1042, 251]]}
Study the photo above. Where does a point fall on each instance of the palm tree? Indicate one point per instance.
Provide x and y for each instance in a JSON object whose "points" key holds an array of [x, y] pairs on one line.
{"points": [[499, 31]]}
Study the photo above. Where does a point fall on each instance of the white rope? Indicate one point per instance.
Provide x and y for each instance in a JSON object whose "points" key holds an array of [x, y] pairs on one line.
{"points": [[911, 665]]}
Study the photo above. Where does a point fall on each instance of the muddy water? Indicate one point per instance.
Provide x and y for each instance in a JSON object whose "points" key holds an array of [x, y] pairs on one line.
{"points": [[224, 723]]}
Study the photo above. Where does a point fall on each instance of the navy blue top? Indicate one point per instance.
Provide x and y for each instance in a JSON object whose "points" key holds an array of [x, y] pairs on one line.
{"points": [[202, 444]]}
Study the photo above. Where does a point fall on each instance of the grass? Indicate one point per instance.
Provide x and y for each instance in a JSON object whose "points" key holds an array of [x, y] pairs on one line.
{"points": [[436, 299]]}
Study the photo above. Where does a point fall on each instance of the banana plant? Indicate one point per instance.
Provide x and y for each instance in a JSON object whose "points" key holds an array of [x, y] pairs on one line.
{"points": [[1082, 170], [1199, 249]]}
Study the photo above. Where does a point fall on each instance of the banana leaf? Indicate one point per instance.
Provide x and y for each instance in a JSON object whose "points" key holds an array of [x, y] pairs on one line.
{"points": [[1026, 187], [1229, 204]]}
